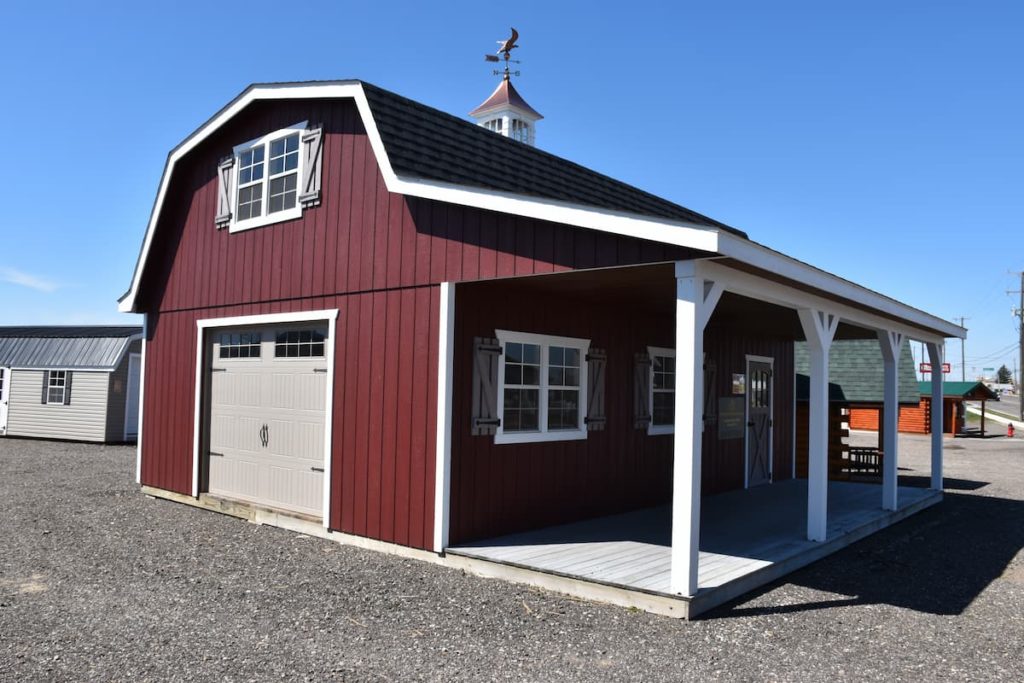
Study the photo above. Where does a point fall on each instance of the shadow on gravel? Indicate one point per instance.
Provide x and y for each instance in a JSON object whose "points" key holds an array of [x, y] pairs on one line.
{"points": [[937, 562]]}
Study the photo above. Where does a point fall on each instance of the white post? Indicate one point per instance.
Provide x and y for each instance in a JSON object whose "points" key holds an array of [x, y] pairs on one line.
{"points": [[819, 329], [891, 343], [443, 444], [936, 353], [695, 301]]}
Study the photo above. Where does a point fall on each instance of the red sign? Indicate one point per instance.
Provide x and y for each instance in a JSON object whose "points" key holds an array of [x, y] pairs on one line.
{"points": [[927, 367]]}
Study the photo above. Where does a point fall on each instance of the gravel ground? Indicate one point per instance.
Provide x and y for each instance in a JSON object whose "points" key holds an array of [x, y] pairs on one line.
{"points": [[99, 582]]}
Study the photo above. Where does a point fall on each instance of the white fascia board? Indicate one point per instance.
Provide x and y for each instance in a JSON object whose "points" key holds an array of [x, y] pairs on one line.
{"points": [[757, 287], [916, 323], [621, 223]]}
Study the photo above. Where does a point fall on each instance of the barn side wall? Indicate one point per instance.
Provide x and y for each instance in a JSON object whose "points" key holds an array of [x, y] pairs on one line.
{"points": [[504, 488]]}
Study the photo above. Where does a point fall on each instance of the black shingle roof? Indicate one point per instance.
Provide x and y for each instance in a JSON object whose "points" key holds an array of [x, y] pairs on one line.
{"points": [[426, 143]]}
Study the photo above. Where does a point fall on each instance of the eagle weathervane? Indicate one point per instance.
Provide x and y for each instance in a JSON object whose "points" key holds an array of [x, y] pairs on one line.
{"points": [[506, 49]]}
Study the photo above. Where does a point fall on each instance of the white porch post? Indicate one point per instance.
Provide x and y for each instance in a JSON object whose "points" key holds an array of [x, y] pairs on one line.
{"points": [[891, 343], [820, 329], [936, 353], [695, 300]]}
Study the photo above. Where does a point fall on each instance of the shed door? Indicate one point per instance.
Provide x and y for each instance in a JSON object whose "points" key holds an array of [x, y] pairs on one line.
{"points": [[759, 422], [5, 392], [267, 397], [131, 397]]}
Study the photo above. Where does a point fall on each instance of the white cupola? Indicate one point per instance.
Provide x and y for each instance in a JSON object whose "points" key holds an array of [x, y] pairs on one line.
{"points": [[506, 112]]}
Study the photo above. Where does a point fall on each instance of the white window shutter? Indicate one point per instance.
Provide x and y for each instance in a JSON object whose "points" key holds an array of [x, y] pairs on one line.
{"points": [[225, 191], [312, 158], [641, 391], [485, 386], [596, 360]]}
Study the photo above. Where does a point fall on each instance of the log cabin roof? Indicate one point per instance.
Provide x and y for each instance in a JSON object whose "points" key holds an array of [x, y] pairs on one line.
{"points": [[856, 374]]}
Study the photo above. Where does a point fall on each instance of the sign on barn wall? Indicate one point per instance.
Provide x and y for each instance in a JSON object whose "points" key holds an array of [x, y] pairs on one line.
{"points": [[731, 414]]}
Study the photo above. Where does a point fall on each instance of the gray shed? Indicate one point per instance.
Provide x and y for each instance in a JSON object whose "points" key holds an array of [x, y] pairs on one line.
{"points": [[79, 383]]}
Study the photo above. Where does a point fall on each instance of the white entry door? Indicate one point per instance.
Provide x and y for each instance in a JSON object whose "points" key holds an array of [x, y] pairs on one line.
{"points": [[267, 399], [5, 393]]}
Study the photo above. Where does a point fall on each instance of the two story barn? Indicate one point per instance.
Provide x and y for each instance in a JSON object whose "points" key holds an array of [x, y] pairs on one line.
{"points": [[371, 318]]}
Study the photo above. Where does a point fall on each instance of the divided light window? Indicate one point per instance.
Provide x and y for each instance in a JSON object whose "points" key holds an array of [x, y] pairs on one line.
{"points": [[299, 344], [542, 387], [268, 178], [663, 390], [56, 385], [240, 344]]}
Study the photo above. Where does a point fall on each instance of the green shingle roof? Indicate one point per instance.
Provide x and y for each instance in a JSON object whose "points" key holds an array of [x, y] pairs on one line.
{"points": [[960, 389], [856, 373]]}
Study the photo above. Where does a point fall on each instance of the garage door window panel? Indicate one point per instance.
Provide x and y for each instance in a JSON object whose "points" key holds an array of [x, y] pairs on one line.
{"points": [[240, 344], [299, 344]]}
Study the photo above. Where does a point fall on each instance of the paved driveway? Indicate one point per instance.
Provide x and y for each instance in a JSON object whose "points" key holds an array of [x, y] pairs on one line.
{"points": [[98, 582]]}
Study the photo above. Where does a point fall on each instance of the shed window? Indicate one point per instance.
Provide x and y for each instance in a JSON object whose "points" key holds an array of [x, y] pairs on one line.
{"points": [[56, 385], [267, 181], [663, 390], [542, 380], [299, 344]]}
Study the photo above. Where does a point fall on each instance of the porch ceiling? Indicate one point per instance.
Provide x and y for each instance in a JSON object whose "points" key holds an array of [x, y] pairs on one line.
{"points": [[651, 288]]}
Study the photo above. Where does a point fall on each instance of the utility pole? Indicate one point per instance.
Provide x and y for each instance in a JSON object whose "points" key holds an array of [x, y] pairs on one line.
{"points": [[963, 354], [1019, 312]]}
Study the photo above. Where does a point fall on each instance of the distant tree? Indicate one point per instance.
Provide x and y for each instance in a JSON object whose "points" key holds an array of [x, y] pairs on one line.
{"points": [[1003, 375]]}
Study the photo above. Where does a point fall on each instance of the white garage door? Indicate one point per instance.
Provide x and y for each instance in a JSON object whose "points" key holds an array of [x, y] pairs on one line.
{"points": [[267, 395]]}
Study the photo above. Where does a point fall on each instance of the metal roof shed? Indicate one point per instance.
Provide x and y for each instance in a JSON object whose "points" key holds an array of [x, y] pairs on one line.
{"points": [[78, 383]]}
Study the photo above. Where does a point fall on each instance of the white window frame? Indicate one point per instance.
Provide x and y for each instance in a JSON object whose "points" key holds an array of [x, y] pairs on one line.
{"points": [[653, 429], [264, 218], [50, 386], [542, 434]]}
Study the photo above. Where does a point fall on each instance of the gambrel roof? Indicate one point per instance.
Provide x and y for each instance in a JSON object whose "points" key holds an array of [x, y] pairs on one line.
{"points": [[426, 153]]}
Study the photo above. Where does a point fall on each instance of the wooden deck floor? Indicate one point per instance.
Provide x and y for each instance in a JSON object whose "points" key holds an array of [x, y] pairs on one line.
{"points": [[747, 539]]}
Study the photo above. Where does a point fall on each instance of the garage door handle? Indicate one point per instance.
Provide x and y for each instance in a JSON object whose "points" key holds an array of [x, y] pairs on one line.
{"points": [[217, 455], [265, 436], [317, 469]]}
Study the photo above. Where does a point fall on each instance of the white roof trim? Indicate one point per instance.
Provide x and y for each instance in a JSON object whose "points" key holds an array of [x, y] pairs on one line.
{"points": [[675, 233]]}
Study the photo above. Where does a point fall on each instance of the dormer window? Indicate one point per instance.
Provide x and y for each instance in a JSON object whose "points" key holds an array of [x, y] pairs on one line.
{"points": [[276, 176]]}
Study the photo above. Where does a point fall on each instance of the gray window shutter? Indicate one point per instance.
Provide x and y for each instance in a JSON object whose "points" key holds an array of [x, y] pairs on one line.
{"points": [[596, 360], [312, 155], [46, 385], [485, 386], [641, 391], [67, 387], [225, 191]]}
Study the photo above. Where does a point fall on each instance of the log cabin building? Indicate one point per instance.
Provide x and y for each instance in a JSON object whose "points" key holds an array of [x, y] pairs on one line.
{"points": [[373, 321]]}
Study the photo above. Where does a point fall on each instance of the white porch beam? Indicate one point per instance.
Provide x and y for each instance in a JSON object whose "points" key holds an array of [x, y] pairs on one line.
{"points": [[756, 287], [820, 329], [891, 343], [936, 353], [696, 298]]}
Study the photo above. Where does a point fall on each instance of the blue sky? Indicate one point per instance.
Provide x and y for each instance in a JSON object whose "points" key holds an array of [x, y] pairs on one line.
{"points": [[881, 141]]}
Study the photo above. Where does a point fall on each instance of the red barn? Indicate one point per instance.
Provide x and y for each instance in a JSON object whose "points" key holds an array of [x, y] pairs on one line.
{"points": [[376, 320]]}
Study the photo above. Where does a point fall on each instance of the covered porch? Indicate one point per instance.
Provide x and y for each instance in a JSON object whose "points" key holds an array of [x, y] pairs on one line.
{"points": [[674, 516], [749, 537]]}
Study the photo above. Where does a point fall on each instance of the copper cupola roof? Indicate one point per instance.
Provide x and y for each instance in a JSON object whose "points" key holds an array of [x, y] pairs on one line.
{"points": [[505, 95]]}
